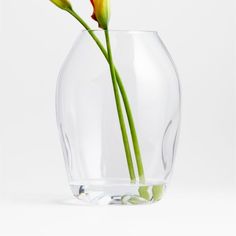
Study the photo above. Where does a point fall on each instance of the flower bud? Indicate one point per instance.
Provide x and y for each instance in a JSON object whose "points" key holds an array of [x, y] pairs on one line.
{"points": [[101, 12], [63, 4]]}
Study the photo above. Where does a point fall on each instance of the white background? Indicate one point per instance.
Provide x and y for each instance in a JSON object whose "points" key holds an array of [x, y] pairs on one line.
{"points": [[35, 37]]}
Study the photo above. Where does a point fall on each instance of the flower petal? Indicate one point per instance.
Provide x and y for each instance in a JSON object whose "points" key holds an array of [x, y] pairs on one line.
{"points": [[63, 4], [101, 12]]}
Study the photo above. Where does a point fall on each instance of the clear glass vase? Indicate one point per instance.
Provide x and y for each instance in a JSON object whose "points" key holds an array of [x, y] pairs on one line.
{"points": [[90, 132]]}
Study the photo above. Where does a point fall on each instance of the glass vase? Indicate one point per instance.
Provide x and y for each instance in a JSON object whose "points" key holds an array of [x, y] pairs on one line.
{"points": [[90, 131]]}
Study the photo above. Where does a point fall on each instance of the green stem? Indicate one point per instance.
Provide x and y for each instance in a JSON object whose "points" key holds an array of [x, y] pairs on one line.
{"points": [[132, 129], [119, 109], [124, 96]]}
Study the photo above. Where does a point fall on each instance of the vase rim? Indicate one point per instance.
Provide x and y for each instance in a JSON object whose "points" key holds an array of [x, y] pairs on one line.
{"points": [[127, 31]]}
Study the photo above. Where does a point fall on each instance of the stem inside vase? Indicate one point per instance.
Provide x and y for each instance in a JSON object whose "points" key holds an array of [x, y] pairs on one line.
{"points": [[119, 110], [124, 97]]}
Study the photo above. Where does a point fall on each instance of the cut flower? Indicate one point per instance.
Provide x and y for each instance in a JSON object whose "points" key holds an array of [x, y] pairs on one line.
{"points": [[63, 4], [101, 12]]}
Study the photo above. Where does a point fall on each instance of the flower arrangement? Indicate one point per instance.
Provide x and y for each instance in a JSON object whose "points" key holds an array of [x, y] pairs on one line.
{"points": [[101, 14]]}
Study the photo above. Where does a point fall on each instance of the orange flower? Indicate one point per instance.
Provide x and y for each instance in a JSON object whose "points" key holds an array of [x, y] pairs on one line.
{"points": [[101, 12], [63, 4]]}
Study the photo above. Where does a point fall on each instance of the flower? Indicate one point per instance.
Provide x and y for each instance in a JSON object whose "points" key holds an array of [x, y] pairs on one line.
{"points": [[101, 12], [63, 4]]}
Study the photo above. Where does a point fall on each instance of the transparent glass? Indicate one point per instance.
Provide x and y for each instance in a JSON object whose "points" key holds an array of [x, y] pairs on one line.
{"points": [[88, 122]]}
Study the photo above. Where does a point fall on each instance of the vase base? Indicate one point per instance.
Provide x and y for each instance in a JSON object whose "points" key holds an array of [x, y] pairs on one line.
{"points": [[131, 194]]}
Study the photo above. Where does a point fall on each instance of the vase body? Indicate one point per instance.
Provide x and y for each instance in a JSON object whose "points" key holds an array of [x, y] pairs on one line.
{"points": [[89, 126]]}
